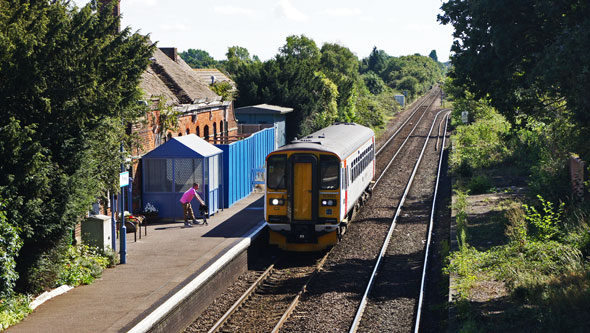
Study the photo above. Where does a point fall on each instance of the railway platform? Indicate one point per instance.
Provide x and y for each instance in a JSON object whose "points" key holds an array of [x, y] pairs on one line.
{"points": [[161, 270]]}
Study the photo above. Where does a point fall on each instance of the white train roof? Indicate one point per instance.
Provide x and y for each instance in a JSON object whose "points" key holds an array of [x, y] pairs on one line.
{"points": [[341, 139]]}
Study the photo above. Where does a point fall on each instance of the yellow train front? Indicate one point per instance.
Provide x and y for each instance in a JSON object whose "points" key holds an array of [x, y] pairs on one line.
{"points": [[315, 184]]}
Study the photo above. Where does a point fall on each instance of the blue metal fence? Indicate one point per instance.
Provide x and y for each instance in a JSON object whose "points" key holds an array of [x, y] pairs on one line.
{"points": [[239, 159]]}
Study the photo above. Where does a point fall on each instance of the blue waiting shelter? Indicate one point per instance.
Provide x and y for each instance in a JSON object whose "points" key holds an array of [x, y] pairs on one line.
{"points": [[172, 168]]}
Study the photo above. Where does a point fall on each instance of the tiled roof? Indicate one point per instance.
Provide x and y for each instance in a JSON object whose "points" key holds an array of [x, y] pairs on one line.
{"points": [[206, 73], [174, 80]]}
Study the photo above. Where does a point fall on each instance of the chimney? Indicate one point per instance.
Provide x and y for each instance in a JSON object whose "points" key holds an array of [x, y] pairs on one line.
{"points": [[116, 9], [171, 52]]}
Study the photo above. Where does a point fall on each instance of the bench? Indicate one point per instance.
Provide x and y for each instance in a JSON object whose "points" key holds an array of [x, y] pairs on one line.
{"points": [[133, 223]]}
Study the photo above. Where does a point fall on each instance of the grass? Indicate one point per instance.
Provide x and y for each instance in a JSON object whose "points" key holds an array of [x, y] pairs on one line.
{"points": [[79, 265], [511, 278]]}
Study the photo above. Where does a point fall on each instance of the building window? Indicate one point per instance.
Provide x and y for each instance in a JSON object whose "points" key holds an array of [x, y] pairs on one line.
{"points": [[214, 133], [206, 133], [169, 136], [188, 131], [198, 132]]}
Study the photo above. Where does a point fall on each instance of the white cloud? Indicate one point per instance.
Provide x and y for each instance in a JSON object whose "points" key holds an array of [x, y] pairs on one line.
{"points": [[148, 3], [286, 9], [344, 12], [175, 27], [231, 10]]}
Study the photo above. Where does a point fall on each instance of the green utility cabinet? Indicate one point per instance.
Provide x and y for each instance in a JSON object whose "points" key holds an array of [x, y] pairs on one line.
{"points": [[96, 231]]}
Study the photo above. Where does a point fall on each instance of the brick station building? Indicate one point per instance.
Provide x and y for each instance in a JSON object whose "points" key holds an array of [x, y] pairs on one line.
{"points": [[172, 86]]}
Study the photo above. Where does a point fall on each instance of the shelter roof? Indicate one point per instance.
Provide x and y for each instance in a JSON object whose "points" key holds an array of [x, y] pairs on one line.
{"points": [[263, 109], [186, 146]]}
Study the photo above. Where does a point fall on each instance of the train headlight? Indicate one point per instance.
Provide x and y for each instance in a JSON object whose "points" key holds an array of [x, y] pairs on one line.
{"points": [[328, 202], [277, 202]]}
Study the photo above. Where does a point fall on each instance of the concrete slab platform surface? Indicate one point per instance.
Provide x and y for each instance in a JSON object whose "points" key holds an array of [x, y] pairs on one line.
{"points": [[157, 265]]}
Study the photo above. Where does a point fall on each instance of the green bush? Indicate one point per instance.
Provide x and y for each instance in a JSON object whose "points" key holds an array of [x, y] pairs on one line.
{"points": [[546, 224], [460, 207], [541, 150], [480, 184], [10, 244], [480, 144], [537, 263], [81, 265], [44, 273], [13, 309]]}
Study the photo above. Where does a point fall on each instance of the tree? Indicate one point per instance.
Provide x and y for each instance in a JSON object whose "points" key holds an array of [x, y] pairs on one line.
{"points": [[376, 62], [409, 84], [341, 66], [68, 83], [292, 79], [374, 83], [300, 48], [198, 59], [433, 55], [527, 56], [236, 56]]}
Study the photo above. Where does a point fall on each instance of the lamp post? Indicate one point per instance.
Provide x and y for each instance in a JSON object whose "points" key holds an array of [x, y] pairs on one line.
{"points": [[123, 230], [113, 223]]}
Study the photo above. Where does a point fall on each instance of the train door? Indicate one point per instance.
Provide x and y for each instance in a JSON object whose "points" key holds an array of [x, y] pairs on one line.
{"points": [[304, 198]]}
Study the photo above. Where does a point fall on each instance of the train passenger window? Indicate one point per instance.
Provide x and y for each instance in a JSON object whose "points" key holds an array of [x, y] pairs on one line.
{"points": [[276, 172], [329, 172]]}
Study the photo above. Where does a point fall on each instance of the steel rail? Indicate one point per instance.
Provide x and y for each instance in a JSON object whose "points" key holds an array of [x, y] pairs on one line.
{"points": [[402, 125], [430, 224], [295, 301], [361, 309], [241, 300], [438, 137], [401, 146]]}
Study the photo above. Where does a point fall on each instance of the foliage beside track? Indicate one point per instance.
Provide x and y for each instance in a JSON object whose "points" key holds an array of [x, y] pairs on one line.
{"points": [[68, 84], [326, 84], [529, 258], [533, 251], [77, 265]]}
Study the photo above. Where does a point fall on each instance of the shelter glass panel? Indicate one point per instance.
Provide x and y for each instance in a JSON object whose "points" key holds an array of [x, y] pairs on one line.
{"points": [[158, 175], [214, 172], [187, 172]]}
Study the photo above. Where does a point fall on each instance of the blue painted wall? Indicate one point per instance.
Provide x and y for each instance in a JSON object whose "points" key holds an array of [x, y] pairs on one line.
{"points": [[277, 119], [239, 160]]}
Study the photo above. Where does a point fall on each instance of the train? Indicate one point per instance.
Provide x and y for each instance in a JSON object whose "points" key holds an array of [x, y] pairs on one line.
{"points": [[315, 185]]}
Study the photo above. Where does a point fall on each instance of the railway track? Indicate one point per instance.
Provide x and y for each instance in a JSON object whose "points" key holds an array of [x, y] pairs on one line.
{"points": [[401, 268], [277, 294], [266, 304]]}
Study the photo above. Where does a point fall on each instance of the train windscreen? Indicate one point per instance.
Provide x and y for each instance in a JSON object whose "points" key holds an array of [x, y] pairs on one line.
{"points": [[276, 172], [329, 172]]}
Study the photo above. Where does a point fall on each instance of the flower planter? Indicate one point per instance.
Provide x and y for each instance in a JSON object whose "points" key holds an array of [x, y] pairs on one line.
{"points": [[151, 217]]}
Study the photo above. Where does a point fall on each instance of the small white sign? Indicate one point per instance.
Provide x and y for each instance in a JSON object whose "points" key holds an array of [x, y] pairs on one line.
{"points": [[124, 179], [465, 117]]}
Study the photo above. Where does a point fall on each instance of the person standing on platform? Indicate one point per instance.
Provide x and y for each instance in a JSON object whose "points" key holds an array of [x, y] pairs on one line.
{"points": [[185, 200]]}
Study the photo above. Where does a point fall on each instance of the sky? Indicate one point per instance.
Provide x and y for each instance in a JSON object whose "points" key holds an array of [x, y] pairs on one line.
{"points": [[262, 26]]}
